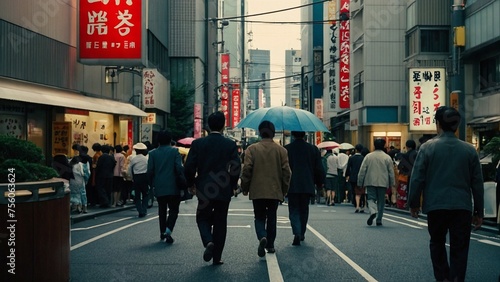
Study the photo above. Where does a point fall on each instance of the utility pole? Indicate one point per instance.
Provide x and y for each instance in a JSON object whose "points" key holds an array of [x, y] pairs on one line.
{"points": [[457, 73]]}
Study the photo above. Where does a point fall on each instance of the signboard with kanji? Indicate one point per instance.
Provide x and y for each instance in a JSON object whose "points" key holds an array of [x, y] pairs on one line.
{"points": [[235, 105], [61, 138], [344, 66], [224, 79], [427, 93], [111, 32]]}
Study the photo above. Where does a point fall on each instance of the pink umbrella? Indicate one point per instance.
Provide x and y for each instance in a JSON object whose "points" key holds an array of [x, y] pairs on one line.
{"points": [[328, 145], [186, 141]]}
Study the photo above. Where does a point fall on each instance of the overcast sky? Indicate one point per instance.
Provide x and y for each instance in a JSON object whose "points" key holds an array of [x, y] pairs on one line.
{"points": [[275, 37]]}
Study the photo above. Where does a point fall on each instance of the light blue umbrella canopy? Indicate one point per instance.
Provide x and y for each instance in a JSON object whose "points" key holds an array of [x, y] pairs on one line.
{"points": [[284, 118]]}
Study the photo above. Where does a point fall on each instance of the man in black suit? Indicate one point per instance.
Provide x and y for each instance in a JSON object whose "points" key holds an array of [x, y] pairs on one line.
{"points": [[307, 171], [104, 176], [212, 170]]}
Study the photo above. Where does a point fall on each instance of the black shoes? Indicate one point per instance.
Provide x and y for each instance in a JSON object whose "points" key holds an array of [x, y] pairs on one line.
{"points": [[209, 252], [296, 240], [218, 262], [262, 244], [370, 219], [379, 223], [271, 250], [169, 239], [162, 236]]}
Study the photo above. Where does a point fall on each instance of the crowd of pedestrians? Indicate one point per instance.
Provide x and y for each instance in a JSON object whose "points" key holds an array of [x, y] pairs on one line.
{"points": [[297, 173]]}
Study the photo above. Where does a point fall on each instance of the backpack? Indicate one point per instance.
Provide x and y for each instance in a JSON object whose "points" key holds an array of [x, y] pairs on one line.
{"points": [[324, 161]]}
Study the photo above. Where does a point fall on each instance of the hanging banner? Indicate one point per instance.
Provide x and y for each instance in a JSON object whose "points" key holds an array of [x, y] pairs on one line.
{"points": [[224, 79], [111, 32], [345, 49], [236, 105], [197, 120], [427, 94]]}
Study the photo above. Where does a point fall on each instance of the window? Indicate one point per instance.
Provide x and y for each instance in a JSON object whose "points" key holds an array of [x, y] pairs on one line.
{"points": [[411, 44], [489, 72], [434, 41]]}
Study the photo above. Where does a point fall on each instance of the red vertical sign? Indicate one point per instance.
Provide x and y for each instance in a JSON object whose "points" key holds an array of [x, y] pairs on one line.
{"points": [[345, 49], [130, 131], [224, 79], [235, 105], [110, 29], [197, 121]]}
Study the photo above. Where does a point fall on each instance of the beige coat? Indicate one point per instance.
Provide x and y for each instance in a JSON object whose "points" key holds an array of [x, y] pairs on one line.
{"points": [[266, 172]]}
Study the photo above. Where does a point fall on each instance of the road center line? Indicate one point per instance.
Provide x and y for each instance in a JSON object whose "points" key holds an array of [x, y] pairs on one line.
{"points": [[356, 267], [273, 268], [109, 233]]}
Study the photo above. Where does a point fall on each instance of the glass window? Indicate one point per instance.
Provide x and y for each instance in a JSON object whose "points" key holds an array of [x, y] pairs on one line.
{"points": [[489, 72], [434, 41], [411, 43]]}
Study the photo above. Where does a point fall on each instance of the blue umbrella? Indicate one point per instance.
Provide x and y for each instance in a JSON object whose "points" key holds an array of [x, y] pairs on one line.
{"points": [[284, 118]]}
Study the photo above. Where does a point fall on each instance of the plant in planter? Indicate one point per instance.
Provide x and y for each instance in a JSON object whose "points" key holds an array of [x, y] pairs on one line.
{"points": [[26, 158]]}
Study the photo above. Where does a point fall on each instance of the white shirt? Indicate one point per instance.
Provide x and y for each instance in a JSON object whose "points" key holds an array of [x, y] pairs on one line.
{"points": [[343, 159], [138, 164]]}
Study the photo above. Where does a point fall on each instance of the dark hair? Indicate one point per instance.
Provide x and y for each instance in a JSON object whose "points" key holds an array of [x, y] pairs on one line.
{"points": [[75, 160], [106, 149], [411, 144], [164, 137], [118, 148], [216, 121], [61, 164], [141, 152], [266, 129], [379, 144], [365, 151], [126, 148], [358, 148], [96, 147], [448, 118], [76, 147], [298, 134], [84, 149]]}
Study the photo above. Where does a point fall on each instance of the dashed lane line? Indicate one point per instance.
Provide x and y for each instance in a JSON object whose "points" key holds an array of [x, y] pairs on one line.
{"points": [[273, 268], [354, 265], [402, 223]]}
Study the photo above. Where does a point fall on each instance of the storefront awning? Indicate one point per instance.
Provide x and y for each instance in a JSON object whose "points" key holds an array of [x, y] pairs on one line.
{"points": [[484, 120], [25, 92]]}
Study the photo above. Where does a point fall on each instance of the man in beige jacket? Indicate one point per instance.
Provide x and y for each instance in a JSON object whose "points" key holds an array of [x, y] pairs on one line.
{"points": [[266, 177]]}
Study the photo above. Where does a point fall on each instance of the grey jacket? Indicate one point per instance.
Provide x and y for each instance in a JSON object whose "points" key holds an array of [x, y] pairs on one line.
{"points": [[448, 172], [164, 165], [376, 170]]}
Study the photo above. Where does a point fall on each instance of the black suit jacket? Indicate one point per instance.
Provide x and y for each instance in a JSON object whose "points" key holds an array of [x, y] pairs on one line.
{"points": [[105, 166], [214, 166], [307, 168]]}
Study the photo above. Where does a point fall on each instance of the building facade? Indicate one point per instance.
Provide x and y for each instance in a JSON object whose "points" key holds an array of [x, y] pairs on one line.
{"points": [[259, 69], [293, 62]]}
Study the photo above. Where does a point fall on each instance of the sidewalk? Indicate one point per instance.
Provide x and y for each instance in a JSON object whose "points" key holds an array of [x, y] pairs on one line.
{"points": [[96, 211]]}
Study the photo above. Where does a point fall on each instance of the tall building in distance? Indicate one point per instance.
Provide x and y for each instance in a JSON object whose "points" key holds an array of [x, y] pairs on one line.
{"points": [[293, 61], [259, 69]]}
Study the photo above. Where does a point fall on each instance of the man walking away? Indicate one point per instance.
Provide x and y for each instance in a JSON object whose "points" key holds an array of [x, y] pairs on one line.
{"points": [[353, 166], [266, 177], [215, 163], [376, 174], [165, 173], [448, 174], [307, 171]]}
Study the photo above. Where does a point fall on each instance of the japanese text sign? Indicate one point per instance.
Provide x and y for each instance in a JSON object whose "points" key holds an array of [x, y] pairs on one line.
{"points": [[344, 67], [427, 93], [110, 31], [224, 79], [236, 103]]}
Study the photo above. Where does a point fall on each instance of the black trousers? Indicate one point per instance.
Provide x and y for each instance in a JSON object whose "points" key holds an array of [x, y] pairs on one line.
{"points": [[458, 224], [211, 217], [104, 187], [170, 202], [265, 213], [298, 208]]}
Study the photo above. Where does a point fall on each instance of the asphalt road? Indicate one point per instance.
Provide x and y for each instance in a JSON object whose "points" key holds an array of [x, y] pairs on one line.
{"points": [[339, 246]]}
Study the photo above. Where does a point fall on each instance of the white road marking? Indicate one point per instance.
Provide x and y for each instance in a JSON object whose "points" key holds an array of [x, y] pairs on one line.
{"points": [[415, 221], [273, 268], [356, 267], [108, 233], [409, 225], [99, 225], [489, 242], [239, 226]]}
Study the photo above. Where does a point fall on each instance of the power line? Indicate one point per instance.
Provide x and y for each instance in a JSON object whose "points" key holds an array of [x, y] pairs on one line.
{"points": [[283, 77], [269, 22], [271, 12]]}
